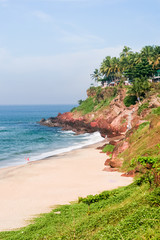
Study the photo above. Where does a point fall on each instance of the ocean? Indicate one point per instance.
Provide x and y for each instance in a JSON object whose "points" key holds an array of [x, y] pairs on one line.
{"points": [[22, 139]]}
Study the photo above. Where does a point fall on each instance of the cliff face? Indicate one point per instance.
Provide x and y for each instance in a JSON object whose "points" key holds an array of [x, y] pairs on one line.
{"points": [[132, 130], [108, 114]]}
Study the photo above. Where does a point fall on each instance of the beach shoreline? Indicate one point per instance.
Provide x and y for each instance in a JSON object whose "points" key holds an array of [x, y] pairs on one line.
{"points": [[34, 188]]}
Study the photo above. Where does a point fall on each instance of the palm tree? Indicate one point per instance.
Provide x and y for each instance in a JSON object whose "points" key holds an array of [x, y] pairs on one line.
{"points": [[139, 88], [106, 67], [125, 57], [96, 75], [156, 57], [125, 52], [148, 52]]}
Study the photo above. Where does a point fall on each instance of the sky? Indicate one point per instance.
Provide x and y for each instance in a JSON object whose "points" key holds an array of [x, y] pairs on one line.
{"points": [[49, 48]]}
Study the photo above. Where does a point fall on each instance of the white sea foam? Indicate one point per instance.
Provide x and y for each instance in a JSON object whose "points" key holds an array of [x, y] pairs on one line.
{"points": [[88, 140]]}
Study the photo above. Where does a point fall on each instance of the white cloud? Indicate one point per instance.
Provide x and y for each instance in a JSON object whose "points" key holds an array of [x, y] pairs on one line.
{"points": [[79, 38], [29, 64], [42, 16]]}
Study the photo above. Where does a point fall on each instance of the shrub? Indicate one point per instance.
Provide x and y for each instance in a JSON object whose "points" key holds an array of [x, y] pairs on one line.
{"points": [[94, 198], [142, 125], [154, 197], [86, 106], [130, 100], [156, 111], [80, 101], [142, 107], [108, 148], [73, 109], [151, 167]]}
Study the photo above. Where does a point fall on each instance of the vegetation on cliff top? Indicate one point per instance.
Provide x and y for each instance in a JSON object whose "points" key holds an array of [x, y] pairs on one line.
{"points": [[97, 98], [129, 64], [138, 67]]}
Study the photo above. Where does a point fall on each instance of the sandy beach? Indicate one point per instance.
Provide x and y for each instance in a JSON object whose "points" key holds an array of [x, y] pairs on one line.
{"points": [[36, 187]]}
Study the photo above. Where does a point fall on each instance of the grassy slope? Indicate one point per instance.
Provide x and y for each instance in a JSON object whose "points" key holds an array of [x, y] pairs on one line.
{"points": [[143, 141], [98, 99], [124, 213]]}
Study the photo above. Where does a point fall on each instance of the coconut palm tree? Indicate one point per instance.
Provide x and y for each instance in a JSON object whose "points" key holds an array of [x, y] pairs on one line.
{"points": [[125, 52], [156, 57], [148, 52], [96, 75], [106, 66]]}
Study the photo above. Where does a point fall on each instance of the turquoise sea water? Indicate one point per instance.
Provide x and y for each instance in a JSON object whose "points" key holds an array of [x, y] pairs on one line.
{"points": [[21, 137]]}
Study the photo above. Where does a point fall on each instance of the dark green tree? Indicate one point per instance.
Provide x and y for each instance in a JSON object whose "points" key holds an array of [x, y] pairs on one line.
{"points": [[139, 87]]}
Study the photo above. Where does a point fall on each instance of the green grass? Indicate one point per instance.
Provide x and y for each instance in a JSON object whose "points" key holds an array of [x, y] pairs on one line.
{"points": [[108, 148], [156, 111], [142, 107], [124, 213], [142, 142], [87, 106], [98, 99], [142, 125]]}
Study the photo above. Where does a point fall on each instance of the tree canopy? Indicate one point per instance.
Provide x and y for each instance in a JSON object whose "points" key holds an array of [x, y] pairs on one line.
{"points": [[129, 64]]}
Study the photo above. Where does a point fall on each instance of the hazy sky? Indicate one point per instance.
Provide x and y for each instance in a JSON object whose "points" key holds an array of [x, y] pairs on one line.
{"points": [[49, 48]]}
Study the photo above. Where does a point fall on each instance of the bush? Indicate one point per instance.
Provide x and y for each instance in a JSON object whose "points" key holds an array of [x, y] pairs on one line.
{"points": [[108, 148], [142, 107], [151, 167], [94, 198], [73, 109], [142, 125], [87, 105], [156, 111], [154, 197], [130, 100]]}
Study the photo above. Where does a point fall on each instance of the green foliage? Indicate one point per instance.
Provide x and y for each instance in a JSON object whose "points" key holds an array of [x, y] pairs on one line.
{"points": [[87, 105], [132, 65], [98, 98], [80, 101], [142, 69], [96, 75], [128, 213], [154, 197], [156, 111], [147, 160], [151, 170], [142, 107], [73, 109], [95, 198], [139, 88], [130, 100], [108, 148], [142, 125], [142, 142]]}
